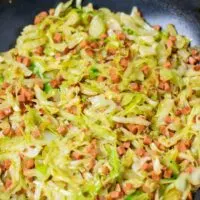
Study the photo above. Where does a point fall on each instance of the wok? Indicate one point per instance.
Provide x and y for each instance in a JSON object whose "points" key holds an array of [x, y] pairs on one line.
{"points": [[184, 14]]}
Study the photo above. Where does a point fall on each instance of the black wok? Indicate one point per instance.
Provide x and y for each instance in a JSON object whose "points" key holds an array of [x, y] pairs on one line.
{"points": [[185, 14]]}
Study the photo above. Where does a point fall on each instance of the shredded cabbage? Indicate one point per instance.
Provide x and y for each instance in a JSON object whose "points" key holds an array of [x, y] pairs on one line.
{"points": [[99, 105]]}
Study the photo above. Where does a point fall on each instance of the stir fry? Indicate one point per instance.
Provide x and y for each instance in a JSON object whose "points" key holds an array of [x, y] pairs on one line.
{"points": [[97, 105]]}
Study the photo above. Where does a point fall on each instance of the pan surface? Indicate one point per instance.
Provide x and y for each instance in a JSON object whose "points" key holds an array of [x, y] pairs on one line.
{"points": [[184, 14]]}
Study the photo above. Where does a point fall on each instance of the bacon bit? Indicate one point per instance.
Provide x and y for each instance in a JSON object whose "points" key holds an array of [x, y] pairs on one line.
{"points": [[26, 95], [145, 70], [90, 52], [189, 169], [111, 51], [72, 110], [55, 83], [192, 60], [105, 170], [5, 85], [197, 68], [94, 45], [57, 38], [36, 133], [2, 115], [147, 140], [18, 131], [172, 38], [118, 125], [164, 85], [126, 145], [121, 36], [115, 195], [178, 112], [163, 129], [39, 18], [19, 59], [121, 150], [115, 88], [124, 62], [29, 164], [181, 146], [6, 165], [140, 152], [168, 64], [157, 27], [115, 78], [127, 44], [194, 52], [127, 188], [104, 36], [8, 132], [51, 11], [101, 79], [26, 61], [135, 128], [159, 145], [168, 119], [171, 134], [76, 155], [91, 164], [155, 176], [39, 51], [189, 197], [135, 86], [7, 111], [92, 148], [62, 130], [8, 183], [186, 110], [83, 44], [147, 166], [167, 173], [169, 44]]}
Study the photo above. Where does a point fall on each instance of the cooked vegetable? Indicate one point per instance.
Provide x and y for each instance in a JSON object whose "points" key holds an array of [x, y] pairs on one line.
{"points": [[99, 105]]}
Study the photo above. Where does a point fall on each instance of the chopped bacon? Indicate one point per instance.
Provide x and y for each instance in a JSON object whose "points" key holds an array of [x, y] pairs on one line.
{"points": [[124, 62], [145, 70], [94, 45], [135, 86], [167, 173], [39, 51], [40, 17], [105, 170], [147, 166], [135, 128], [8, 111], [121, 150], [89, 52], [29, 164], [168, 64], [5, 165], [111, 51], [115, 78], [168, 119], [92, 148], [164, 85], [157, 27], [36, 133], [147, 140], [192, 60], [2, 115], [127, 188], [26, 61], [8, 183], [189, 169], [126, 145], [197, 67], [182, 146], [26, 95], [186, 110], [140, 152], [57, 37], [84, 44], [62, 130], [121, 36], [104, 36], [154, 176], [101, 78], [76, 155]]}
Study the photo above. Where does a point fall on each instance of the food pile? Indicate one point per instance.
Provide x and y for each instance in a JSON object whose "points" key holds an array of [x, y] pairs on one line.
{"points": [[99, 105]]}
